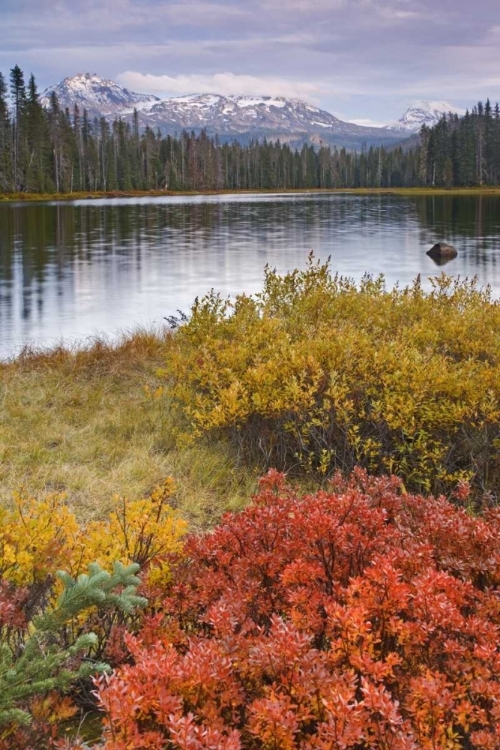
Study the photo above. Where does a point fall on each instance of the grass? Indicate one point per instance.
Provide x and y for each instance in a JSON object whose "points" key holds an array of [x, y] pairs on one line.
{"points": [[92, 195], [84, 422]]}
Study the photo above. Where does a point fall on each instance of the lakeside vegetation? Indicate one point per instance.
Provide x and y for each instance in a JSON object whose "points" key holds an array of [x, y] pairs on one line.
{"points": [[361, 614], [316, 374]]}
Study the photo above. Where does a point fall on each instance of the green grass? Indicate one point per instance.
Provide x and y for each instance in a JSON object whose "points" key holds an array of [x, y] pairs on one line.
{"points": [[85, 423]]}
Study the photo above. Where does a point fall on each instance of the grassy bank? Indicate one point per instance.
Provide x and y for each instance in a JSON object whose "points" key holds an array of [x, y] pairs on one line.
{"points": [[85, 423], [313, 375], [86, 195]]}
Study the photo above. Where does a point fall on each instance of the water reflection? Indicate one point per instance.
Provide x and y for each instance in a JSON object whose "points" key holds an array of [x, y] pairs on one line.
{"points": [[442, 261], [70, 270]]}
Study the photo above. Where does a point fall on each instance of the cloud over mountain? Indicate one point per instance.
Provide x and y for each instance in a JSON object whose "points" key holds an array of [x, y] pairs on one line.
{"points": [[227, 84], [365, 58]]}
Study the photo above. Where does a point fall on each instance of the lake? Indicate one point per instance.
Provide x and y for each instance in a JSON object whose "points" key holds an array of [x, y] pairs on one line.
{"points": [[70, 271]]}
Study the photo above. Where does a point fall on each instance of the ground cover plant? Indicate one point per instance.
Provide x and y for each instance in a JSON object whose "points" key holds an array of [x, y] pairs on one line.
{"points": [[358, 617], [318, 374], [47, 650], [57, 629]]}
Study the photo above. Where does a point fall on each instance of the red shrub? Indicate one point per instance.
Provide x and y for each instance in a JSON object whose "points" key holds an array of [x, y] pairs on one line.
{"points": [[356, 618], [13, 601]]}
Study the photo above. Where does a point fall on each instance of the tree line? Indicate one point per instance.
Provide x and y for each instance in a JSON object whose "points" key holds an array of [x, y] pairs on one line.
{"points": [[58, 150]]}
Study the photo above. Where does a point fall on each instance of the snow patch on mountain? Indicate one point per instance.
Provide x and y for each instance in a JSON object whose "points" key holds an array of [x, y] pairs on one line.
{"points": [[236, 114]]}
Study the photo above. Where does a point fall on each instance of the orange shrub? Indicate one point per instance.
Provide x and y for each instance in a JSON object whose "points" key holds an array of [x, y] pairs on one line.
{"points": [[360, 617]]}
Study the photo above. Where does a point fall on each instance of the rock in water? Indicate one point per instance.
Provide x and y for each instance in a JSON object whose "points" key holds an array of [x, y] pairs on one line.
{"points": [[442, 250]]}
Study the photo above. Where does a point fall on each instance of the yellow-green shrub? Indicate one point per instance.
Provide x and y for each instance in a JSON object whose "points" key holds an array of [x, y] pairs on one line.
{"points": [[37, 538], [143, 531], [40, 536], [317, 373]]}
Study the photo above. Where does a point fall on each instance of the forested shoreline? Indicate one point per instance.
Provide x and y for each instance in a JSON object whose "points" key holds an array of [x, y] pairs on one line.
{"points": [[57, 151]]}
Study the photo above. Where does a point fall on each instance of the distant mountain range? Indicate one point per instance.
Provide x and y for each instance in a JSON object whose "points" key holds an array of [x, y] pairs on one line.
{"points": [[237, 117]]}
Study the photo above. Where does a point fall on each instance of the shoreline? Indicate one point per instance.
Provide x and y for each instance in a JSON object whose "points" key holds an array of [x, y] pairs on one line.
{"points": [[110, 194]]}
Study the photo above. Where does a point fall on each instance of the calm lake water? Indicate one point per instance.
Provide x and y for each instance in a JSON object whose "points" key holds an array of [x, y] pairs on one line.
{"points": [[73, 270]]}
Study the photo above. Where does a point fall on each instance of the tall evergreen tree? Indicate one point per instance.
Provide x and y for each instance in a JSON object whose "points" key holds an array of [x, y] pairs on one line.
{"points": [[37, 141], [5, 139], [18, 90], [18, 93]]}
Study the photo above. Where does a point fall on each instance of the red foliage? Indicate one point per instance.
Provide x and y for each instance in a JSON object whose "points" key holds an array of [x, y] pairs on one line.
{"points": [[12, 603], [360, 618]]}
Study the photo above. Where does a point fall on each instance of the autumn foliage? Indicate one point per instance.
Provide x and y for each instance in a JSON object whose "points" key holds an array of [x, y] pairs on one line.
{"points": [[58, 629], [318, 374], [359, 617], [39, 536]]}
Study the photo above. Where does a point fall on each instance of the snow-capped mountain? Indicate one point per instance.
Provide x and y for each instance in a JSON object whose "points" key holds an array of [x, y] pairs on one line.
{"points": [[230, 117], [251, 116], [424, 113], [97, 95], [237, 114]]}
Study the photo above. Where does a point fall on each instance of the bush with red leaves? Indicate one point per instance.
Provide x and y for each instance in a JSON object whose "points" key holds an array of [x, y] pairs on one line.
{"points": [[360, 617]]}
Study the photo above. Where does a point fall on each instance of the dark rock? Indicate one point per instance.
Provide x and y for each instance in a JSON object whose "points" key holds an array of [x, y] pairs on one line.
{"points": [[442, 251]]}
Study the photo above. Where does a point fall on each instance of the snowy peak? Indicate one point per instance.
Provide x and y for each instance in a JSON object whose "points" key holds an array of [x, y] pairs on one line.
{"points": [[424, 113], [243, 118], [291, 120], [237, 114], [97, 95]]}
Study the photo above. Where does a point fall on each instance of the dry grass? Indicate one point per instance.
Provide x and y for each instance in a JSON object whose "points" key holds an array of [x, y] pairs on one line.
{"points": [[82, 422]]}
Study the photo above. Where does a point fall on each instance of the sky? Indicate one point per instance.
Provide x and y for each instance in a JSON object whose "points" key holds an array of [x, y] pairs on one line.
{"points": [[363, 60]]}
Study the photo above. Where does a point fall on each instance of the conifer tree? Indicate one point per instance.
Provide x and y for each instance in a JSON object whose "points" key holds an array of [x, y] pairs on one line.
{"points": [[5, 139], [37, 141], [18, 93], [45, 656]]}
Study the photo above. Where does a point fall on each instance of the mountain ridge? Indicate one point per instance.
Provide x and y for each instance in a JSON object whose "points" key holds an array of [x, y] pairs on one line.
{"points": [[234, 117]]}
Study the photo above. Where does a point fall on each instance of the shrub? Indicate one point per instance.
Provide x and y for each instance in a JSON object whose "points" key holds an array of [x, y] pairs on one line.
{"points": [[317, 374], [146, 531], [56, 630], [360, 617], [38, 536]]}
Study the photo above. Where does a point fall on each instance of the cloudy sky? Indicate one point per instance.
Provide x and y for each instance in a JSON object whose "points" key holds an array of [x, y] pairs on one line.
{"points": [[360, 59]]}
